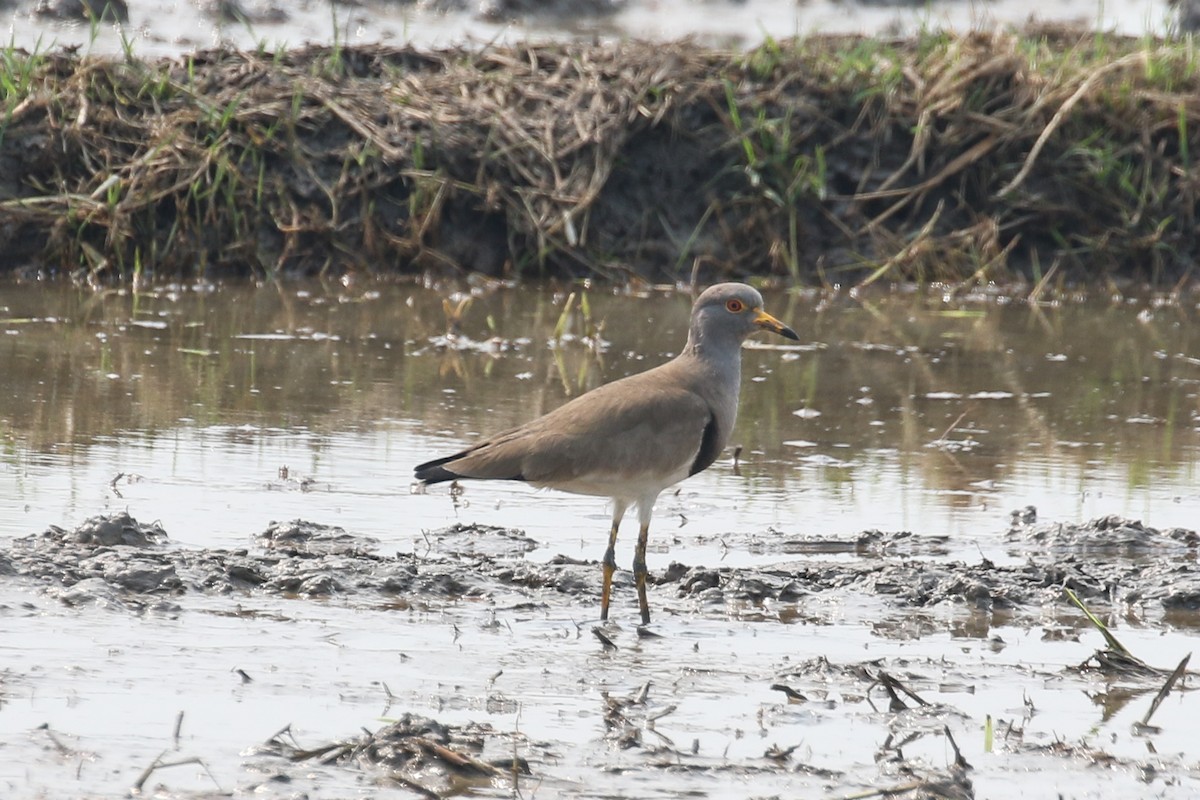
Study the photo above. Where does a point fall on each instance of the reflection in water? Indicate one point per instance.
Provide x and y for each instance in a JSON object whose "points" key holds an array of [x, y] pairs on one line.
{"points": [[900, 411]]}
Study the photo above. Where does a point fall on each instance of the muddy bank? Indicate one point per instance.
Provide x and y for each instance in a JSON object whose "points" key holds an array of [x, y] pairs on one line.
{"points": [[835, 160], [120, 562], [913, 710]]}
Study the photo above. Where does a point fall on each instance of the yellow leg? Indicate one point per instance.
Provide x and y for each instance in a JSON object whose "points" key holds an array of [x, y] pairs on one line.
{"points": [[640, 572], [610, 566]]}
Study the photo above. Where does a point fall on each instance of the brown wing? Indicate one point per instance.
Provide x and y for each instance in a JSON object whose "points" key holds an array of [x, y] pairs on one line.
{"points": [[636, 426]]}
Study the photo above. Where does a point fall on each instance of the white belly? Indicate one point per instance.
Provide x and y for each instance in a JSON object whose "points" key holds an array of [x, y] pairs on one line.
{"points": [[631, 488]]}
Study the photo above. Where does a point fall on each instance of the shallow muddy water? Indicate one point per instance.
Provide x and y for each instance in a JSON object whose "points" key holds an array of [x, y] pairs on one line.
{"points": [[171, 27], [215, 412]]}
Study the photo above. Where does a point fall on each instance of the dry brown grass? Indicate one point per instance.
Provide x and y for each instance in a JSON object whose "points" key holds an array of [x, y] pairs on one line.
{"points": [[828, 159]]}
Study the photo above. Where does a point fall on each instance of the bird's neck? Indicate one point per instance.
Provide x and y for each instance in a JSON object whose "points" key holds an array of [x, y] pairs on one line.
{"points": [[721, 359], [714, 371]]}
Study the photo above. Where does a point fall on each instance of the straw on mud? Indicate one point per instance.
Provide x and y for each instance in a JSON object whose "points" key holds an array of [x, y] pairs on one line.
{"points": [[792, 695], [608, 643], [158, 764], [1112, 641], [1175, 675], [58, 745], [893, 687], [959, 761], [413, 786], [777, 753]]}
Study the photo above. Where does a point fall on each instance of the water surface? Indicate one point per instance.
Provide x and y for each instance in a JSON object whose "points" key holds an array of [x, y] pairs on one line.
{"points": [[215, 411], [897, 412], [170, 27]]}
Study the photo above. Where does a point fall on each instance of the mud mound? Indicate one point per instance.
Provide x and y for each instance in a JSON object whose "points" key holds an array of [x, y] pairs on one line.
{"points": [[117, 561], [1112, 535]]}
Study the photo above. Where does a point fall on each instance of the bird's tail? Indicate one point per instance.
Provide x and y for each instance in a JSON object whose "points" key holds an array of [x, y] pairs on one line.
{"points": [[435, 471]]}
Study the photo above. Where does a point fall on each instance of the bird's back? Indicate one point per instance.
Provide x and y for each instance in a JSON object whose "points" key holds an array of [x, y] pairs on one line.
{"points": [[649, 428]]}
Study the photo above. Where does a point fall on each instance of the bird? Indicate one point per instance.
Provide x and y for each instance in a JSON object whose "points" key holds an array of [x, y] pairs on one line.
{"points": [[631, 439]]}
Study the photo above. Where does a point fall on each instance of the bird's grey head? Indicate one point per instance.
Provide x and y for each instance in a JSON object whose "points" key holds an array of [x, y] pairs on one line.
{"points": [[725, 314]]}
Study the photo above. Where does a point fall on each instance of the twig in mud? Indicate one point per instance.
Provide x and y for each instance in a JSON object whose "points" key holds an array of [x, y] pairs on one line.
{"points": [[953, 425], [1113, 643], [516, 756], [893, 686], [959, 761], [657, 715], [158, 764], [608, 643], [178, 728], [54, 740], [388, 697], [1165, 690], [776, 753], [413, 786], [792, 695]]}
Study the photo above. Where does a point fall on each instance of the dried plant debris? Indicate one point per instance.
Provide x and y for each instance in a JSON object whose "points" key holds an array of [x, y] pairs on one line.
{"points": [[1117, 661], [903, 694], [421, 754], [907, 714], [971, 157]]}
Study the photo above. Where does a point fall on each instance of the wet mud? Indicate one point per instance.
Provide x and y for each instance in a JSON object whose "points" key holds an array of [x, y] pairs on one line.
{"points": [[1109, 560], [901, 581]]}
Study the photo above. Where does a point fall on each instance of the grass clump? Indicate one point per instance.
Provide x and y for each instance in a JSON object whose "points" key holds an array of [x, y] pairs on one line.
{"points": [[836, 159]]}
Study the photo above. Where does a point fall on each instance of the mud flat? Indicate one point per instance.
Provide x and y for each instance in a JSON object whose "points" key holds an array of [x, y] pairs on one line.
{"points": [[312, 662]]}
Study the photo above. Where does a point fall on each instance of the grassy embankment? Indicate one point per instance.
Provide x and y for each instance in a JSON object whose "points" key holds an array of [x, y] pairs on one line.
{"points": [[837, 160]]}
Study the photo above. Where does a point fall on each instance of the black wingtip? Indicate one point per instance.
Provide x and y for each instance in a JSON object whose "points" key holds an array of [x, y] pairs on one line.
{"points": [[435, 471]]}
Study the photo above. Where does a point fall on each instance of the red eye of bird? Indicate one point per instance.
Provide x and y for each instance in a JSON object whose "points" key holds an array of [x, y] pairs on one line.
{"points": [[735, 306]]}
